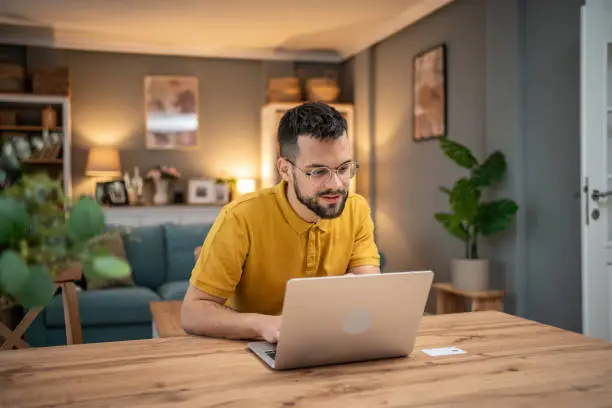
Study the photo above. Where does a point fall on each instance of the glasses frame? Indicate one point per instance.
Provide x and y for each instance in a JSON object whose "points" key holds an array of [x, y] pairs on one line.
{"points": [[331, 171]]}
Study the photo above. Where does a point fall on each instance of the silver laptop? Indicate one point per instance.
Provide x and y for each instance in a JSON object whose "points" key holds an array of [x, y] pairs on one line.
{"points": [[342, 319]]}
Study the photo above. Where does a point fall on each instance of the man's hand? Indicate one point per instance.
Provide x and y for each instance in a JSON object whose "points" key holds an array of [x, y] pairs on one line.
{"points": [[269, 328]]}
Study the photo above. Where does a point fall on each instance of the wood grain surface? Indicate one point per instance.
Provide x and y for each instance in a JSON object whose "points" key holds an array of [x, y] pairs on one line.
{"points": [[509, 362]]}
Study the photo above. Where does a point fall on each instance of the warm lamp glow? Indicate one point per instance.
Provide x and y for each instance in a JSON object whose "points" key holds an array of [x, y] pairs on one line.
{"points": [[244, 186], [103, 161]]}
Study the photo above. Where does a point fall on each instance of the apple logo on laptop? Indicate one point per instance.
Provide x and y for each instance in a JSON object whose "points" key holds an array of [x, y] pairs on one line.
{"points": [[356, 321]]}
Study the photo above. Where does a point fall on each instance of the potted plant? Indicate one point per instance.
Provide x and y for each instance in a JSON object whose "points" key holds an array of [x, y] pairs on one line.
{"points": [[42, 238], [471, 216]]}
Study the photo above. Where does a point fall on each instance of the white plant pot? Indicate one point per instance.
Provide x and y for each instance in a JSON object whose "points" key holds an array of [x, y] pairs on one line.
{"points": [[470, 274], [161, 192]]}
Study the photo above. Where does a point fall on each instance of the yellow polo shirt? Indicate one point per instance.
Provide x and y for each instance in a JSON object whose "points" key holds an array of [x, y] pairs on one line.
{"points": [[258, 242]]}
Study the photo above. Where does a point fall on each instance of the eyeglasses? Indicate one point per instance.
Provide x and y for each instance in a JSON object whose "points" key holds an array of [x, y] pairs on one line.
{"points": [[345, 172]]}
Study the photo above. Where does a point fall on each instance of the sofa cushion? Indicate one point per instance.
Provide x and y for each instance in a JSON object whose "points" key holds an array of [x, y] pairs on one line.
{"points": [[173, 290], [113, 244], [106, 307], [145, 248], [181, 240]]}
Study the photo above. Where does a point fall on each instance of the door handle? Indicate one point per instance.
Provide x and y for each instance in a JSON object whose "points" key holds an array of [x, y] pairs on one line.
{"points": [[597, 195]]}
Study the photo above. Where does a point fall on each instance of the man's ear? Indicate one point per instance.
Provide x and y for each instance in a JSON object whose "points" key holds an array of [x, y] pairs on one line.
{"points": [[283, 168]]}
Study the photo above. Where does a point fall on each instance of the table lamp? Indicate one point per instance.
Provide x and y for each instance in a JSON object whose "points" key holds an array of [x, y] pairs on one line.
{"points": [[103, 162], [245, 186]]}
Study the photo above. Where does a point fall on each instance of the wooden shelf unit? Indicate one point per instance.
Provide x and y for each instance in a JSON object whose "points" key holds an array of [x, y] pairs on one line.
{"points": [[31, 107], [26, 128], [43, 161]]}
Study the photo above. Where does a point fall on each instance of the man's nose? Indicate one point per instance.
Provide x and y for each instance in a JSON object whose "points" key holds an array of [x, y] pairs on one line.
{"points": [[335, 181]]}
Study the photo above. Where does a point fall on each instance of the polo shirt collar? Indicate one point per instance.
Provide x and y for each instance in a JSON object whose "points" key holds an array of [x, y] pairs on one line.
{"points": [[297, 223]]}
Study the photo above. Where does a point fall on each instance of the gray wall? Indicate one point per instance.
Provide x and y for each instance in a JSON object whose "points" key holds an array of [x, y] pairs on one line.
{"points": [[108, 108], [503, 131], [552, 161], [406, 175], [512, 85]]}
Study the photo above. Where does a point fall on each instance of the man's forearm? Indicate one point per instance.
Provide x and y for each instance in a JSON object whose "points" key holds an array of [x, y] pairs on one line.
{"points": [[364, 270], [207, 318]]}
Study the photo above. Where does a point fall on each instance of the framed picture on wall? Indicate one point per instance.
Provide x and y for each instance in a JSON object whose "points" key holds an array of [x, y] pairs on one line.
{"points": [[429, 108], [171, 106]]}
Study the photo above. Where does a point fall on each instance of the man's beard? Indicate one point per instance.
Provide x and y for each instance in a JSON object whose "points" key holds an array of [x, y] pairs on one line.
{"points": [[327, 212]]}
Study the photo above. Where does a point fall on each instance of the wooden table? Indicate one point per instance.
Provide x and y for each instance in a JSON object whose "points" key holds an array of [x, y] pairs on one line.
{"points": [[509, 362], [167, 318]]}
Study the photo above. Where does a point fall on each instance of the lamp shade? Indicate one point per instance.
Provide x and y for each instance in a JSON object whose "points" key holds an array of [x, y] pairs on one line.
{"points": [[103, 161]]}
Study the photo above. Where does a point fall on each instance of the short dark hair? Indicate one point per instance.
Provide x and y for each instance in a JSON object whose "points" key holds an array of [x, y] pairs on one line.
{"points": [[314, 119]]}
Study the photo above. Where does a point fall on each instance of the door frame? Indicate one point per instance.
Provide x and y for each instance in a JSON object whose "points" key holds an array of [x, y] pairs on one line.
{"points": [[593, 118]]}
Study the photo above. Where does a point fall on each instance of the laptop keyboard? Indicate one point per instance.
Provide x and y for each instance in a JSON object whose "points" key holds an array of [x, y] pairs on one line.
{"points": [[271, 354]]}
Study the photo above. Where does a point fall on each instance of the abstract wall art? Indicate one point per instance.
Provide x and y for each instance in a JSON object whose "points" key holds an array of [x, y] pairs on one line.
{"points": [[429, 94]]}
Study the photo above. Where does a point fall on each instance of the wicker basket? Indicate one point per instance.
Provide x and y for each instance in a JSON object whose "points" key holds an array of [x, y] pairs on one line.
{"points": [[286, 89], [55, 81], [12, 78], [322, 89]]}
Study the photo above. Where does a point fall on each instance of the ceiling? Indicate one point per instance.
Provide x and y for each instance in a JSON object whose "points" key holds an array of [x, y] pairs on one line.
{"points": [[313, 30]]}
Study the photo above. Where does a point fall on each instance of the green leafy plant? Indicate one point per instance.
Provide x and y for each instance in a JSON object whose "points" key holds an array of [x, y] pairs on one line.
{"points": [[41, 236], [470, 215]]}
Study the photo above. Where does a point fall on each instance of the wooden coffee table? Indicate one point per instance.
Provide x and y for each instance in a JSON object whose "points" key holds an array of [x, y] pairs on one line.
{"points": [[167, 319]]}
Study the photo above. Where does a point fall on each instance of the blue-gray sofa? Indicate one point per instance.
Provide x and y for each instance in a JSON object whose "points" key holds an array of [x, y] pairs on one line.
{"points": [[161, 258]]}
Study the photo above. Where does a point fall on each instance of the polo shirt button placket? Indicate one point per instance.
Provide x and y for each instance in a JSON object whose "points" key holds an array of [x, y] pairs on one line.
{"points": [[310, 254]]}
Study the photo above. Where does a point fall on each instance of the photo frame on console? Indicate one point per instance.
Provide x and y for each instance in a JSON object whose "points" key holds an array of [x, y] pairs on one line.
{"points": [[201, 192]]}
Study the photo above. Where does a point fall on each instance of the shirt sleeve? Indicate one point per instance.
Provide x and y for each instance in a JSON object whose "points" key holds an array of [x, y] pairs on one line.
{"points": [[365, 251], [218, 269]]}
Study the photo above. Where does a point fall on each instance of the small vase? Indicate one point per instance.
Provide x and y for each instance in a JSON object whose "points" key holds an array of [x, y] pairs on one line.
{"points": [[470, 275], [161, 192]]}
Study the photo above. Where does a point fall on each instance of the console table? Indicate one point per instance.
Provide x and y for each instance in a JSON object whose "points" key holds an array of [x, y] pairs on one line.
{"points": [[451, 300], [155, 215]]}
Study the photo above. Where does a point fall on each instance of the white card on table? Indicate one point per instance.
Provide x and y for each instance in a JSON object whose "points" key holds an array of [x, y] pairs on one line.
{"points": [[444, 351]]}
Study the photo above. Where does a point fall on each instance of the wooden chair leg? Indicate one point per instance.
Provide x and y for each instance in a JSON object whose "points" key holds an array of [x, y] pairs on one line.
{"points": [[74, 334], [13, 338]]}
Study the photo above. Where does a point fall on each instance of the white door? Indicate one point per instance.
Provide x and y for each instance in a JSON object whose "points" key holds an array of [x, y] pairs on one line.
{"points": [[596, 167]]}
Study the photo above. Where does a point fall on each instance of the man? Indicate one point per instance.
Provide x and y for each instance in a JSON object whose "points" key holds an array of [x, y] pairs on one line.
{"points": [[307, 225]]}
